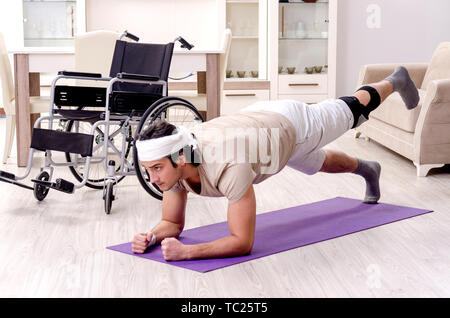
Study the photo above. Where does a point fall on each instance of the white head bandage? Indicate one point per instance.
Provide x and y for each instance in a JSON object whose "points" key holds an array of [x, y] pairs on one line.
{"points": [[158, 148]]}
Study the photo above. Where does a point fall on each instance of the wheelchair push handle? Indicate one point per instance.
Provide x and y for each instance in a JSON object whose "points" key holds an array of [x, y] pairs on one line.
{"points": [[126, 34], [184, 44]]}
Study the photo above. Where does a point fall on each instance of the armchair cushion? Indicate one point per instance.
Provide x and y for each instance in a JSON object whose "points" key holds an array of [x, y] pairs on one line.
{"points": [[393, 112], [439, 67]]}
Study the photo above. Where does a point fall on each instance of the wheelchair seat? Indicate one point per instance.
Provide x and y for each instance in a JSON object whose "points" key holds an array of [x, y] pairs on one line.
{"points": [[81, 115]]}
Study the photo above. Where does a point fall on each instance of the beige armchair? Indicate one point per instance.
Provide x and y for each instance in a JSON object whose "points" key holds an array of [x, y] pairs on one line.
{"points": [[422, 134]]}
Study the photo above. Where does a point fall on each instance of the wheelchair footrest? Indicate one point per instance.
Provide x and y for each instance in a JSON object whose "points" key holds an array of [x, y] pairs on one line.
{"points": [[12, 181], [46, 139], [7, 175], [60, 185]]}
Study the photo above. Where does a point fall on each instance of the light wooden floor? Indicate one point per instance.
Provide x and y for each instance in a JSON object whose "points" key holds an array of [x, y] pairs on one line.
{"points": [[56, 248]]}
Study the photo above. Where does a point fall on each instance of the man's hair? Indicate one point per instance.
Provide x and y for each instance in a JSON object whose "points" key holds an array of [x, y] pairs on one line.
{"points": [[161, 128]]}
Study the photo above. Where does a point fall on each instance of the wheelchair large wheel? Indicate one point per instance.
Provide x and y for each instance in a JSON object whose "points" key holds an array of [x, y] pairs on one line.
{"points": [[96, 170], [174, 110]]}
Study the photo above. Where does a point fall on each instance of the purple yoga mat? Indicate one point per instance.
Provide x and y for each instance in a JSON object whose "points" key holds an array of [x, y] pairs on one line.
{"points": [[286, 229]]}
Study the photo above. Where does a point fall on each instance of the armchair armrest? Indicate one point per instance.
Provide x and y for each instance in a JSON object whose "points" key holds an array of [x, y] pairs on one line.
{"points": [[432, 135], [439, 91], [373, 73]]}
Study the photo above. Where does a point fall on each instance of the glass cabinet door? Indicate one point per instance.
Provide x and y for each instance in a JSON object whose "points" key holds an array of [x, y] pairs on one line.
{"points": [[247, 21], [52, 23], [303, 37]]}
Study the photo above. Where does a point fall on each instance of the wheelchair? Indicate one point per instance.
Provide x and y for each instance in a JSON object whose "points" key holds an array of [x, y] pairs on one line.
{"points": [[95, 127]]}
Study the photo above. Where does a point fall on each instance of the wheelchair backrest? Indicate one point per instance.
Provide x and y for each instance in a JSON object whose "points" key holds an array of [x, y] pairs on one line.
{"points": [[143, 59], [133, 58]]}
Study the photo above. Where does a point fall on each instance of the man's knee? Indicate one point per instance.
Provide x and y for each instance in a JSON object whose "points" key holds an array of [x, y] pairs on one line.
{"points": [[356, 108], [361, 112]]}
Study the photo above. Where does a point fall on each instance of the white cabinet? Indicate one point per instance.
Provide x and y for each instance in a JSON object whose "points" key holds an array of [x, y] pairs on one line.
{"points": [[291, 44], [302, 50], [247, 78]]}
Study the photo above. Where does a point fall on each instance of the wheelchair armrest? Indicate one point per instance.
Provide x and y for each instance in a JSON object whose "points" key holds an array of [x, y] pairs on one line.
{"points": [[137, 77], [80, 74]]}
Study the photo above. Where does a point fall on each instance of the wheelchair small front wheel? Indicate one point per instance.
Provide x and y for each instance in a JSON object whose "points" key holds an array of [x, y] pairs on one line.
{"points": [[108, 196], [39, 191]]}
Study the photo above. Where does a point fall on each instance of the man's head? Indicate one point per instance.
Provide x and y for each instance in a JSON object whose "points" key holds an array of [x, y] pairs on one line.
{"points": [[166, 155]]}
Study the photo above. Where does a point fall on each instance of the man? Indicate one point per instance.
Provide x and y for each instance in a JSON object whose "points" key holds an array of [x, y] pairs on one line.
{"points": [[299, 131]]}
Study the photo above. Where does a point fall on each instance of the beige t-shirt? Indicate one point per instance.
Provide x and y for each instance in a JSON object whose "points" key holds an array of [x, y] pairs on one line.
{"points": [[239, 150]]}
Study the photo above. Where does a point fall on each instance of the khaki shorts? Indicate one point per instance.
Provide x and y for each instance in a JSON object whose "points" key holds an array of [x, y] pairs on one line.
{"points": [[316, 126]]}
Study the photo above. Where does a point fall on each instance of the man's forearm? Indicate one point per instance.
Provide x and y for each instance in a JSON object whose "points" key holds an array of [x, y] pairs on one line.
{"points": [[224, 247], [166, 229]]}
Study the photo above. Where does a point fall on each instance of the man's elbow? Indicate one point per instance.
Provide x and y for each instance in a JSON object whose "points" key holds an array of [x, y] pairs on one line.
{"points": [[244, 248], [178, 232], [179, 228]]}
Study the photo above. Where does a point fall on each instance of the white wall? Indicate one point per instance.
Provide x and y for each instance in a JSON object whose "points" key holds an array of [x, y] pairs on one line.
{"points": [[409, 31], [11, 23], [158, 21]]}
